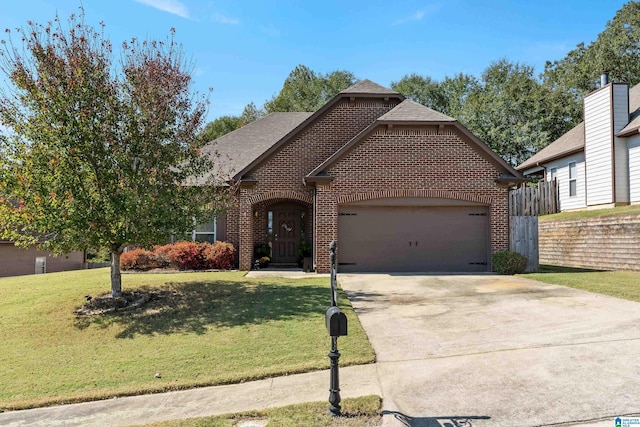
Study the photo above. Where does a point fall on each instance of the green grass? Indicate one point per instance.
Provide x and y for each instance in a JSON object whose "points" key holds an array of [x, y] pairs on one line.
{"points": [[620, 284], [619, 210], [225, 328], [360, 412]]}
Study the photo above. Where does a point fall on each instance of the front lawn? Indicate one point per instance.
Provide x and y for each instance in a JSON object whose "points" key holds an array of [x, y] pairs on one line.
{"points": [[596, 213], [621, 284], [360, 412], [215, 328]]}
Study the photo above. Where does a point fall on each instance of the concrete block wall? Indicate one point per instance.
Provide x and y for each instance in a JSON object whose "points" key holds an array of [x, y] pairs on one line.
{"points": [[609, 243]]}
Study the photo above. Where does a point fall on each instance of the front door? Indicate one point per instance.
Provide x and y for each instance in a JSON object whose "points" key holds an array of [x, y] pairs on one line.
{"points": [[286, 234]]}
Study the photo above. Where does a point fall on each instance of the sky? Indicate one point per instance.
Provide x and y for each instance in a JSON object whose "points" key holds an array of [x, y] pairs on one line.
{"points": [[244, 49]]}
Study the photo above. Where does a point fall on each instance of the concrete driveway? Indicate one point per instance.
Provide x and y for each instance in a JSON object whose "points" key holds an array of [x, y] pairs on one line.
{"points": [[498, 350]]}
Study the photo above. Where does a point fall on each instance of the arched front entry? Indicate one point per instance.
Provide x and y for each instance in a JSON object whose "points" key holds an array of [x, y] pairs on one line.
{"points": [[285, 226]]}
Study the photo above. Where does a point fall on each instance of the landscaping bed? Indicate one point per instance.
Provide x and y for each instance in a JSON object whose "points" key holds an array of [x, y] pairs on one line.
{"points": [[197, 329]]}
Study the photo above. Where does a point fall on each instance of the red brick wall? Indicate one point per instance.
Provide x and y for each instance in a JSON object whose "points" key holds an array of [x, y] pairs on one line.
{"points": [[284, 171], [412, 162], [232, 224]]}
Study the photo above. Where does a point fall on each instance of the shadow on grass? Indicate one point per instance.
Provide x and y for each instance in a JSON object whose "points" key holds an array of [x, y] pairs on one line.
{"points": [[559, 269], [196, 306]]}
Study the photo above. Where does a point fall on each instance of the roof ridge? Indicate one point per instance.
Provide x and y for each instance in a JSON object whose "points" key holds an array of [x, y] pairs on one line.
{"points": [[370, 87], [409, 110]]}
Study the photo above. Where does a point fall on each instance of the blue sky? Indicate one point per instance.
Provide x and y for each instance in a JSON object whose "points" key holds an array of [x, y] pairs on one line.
{"points": [[244, 49]]}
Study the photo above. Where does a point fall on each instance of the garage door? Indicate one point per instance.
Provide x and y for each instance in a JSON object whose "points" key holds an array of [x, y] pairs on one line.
{"points": [[413, 239]]}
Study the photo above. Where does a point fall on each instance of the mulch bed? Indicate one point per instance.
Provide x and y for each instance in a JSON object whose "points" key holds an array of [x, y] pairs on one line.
{"points": [[129, 301]]}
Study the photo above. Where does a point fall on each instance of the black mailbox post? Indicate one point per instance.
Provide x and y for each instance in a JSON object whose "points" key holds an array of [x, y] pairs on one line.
{"points": [[336, 322]]}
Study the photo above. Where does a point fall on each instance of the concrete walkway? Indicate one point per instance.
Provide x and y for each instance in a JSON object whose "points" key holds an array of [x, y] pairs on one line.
{"points": [[355, 381]]}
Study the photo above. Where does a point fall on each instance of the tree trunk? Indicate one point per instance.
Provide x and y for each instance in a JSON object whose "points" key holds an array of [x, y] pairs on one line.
{"points": [[116, 277]]}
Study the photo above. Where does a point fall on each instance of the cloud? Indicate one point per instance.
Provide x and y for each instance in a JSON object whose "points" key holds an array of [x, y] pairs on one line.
{"points": [[418, 15], [225, 19], [174, 7]]}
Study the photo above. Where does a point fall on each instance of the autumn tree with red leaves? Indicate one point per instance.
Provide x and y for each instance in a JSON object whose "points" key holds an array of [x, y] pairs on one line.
{"points": [[99, 153]]}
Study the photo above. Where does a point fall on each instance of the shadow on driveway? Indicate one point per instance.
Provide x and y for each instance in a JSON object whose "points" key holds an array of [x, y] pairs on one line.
{"points": [[443, 421]]}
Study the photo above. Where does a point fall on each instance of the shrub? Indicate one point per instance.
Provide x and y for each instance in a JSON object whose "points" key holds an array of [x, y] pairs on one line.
{"points": [[261, 250], [507, 262], [197, 256], [184, 255], [138, 259], [220, 255]]}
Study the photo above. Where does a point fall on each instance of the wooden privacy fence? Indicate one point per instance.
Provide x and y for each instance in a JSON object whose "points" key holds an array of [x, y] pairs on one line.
{"points": [[523, 238], [534, 201]]}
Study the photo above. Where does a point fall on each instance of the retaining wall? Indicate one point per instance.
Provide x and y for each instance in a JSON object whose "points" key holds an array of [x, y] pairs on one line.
{"points": [[608, 243]]}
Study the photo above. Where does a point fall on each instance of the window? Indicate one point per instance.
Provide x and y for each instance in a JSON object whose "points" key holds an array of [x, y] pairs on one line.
{"points": [[205, 232], [573, 190], [553, 174]]}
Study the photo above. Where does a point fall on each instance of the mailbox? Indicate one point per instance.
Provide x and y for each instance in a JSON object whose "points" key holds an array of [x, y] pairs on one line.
{"points": [[336, 322]]}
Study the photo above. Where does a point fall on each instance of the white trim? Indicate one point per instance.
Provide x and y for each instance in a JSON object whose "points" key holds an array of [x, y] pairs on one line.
{"points": [[195, 233]]}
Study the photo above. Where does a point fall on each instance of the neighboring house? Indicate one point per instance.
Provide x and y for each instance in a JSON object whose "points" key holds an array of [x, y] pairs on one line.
{"points": [[597, 163], [15, 261], [399, 186]]}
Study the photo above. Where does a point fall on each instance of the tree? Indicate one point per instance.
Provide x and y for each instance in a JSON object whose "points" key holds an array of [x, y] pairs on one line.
{"points": [[508, 107], [617, 50], [251, 113], [423, 90], [225, 124], [448, 97], [306, 90], [220, 126], [514, 113], [99, 154]]}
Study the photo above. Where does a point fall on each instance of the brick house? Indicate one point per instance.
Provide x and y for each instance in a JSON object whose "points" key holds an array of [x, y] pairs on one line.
{"points": [[399, 186]]}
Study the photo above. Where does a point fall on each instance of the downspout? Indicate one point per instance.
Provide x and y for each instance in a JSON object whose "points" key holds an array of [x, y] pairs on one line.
{"points": [[543, 168]]}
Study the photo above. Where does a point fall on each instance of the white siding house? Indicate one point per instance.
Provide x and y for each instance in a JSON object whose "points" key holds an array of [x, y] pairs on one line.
{"points": [[597, 163], [620, 101], [570, 173], [598, 152]]}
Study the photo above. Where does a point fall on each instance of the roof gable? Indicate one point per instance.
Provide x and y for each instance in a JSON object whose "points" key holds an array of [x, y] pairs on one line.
{"points": [[411, 113], [364, 88]]}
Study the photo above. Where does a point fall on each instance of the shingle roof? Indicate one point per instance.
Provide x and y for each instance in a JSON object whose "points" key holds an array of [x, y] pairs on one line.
{"points": [[570, 142], [411, 111], [239, 148], [367, 86], [573, 141]]}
